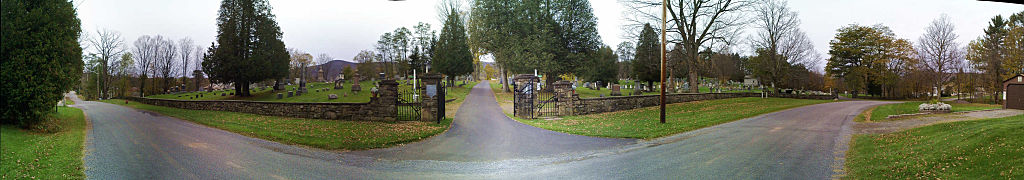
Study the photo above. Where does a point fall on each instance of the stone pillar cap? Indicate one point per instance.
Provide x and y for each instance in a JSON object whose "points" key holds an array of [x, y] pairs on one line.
{"points": [[525, 76]]}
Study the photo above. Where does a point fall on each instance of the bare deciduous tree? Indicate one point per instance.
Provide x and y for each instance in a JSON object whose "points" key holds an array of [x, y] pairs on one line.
{"points": [[692, 24], [939, 50], [144, 54], [166, 64], [109, 46], [187, 52]]}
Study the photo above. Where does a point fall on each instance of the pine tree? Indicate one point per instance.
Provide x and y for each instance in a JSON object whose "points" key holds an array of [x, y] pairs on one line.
{"points": [[249, 47], [452, 56]]}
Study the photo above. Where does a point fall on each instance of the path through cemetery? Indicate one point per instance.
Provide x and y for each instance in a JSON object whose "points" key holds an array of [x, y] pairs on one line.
{"points": [[800, 143]]}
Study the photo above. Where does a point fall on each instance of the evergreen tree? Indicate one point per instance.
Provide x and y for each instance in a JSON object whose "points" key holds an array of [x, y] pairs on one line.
{"points": [[41, 57], [647, 63], [603, 67], [249, 47], [452, 56]]}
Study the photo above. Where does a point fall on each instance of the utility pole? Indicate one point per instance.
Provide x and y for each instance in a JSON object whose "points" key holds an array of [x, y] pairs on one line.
{"points": [[664, 12]]}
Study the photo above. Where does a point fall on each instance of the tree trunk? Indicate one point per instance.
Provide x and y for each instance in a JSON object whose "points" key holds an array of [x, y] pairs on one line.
{"points": [[548, 80], [694, 85], [504, 81]]}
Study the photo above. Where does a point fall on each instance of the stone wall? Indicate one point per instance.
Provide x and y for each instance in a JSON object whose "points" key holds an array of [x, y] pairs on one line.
{"points": [[582, 106], [381, 108], [620, 103]]}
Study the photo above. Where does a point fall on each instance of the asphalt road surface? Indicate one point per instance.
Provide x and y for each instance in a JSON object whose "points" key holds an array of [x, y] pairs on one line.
{"points": [[800, 143]]}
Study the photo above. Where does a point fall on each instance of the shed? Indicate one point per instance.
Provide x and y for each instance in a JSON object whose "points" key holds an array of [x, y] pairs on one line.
{"points": [[1013, 92]]}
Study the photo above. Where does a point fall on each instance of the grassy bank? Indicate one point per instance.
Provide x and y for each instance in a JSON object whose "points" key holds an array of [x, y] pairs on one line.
{"points": [[681, 117], [879, 113], [979, 149], [54, 155], [319, 133]]}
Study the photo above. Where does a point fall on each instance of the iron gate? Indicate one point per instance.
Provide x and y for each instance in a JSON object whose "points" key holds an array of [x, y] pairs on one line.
{"points": [[409, 102]]}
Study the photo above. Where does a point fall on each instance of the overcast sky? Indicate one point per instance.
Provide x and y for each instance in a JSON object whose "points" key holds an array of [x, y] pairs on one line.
{"points": [[343, 28]]}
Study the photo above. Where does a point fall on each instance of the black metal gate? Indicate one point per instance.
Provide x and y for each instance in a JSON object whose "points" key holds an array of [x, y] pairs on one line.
{"points": [[546, 105], [409, 102], [442, 99]]}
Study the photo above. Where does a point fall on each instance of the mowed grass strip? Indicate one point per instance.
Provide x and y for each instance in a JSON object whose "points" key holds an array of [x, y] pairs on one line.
{"points": [[34, 155], [681, 117], [978, 149], [319, 133], [880, 113]]}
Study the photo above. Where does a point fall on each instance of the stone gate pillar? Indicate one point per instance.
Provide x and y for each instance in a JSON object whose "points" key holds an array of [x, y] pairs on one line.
{"points": [[566, 97], [431, 95], [385, 105], [525, 95]]}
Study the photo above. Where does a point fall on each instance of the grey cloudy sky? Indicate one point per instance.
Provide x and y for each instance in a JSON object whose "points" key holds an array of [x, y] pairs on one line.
{"points": [[342, 28]]}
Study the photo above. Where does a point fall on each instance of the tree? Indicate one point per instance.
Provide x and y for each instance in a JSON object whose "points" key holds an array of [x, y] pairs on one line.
{"points": [[647, 62], [694, 25], [990, 53], [41, 57], [602, 67], [348, 72], [366, 65], [109, 46], [187, 52], [861, 56], [552, 37], [166, 63], [626, 52], [451, 54], [249, 47], [144, 54], [123, 68], [939, 50], [423, 41]]}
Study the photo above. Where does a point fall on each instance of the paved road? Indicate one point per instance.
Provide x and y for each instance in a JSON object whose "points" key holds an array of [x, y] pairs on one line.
{"points": [[800, 143], [481, 132]]}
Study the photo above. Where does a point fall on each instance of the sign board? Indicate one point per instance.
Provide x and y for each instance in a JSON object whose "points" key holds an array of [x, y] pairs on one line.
{"points": [[431, 90]]}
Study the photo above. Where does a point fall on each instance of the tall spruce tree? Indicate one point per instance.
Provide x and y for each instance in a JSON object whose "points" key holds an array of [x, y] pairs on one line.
{"points": [[40, 57], [451, 53], [647, 63], [249, 47]]}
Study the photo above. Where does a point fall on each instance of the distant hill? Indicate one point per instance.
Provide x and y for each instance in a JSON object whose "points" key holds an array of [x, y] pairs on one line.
{"points": [[333, 68]]}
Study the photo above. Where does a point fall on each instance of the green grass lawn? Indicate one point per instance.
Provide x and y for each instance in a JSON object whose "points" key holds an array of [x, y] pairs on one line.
{"points": [[879, 113], [35, 155], [978, 149], [681, 117], [319, 133]]}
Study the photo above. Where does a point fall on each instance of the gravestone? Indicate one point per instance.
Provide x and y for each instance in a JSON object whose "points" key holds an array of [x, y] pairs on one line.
{"points": [[355, 83], [298, 93], [339, 84], [290, 93], [223, 94], [332, 96], [615, 90], [279, 95]]}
